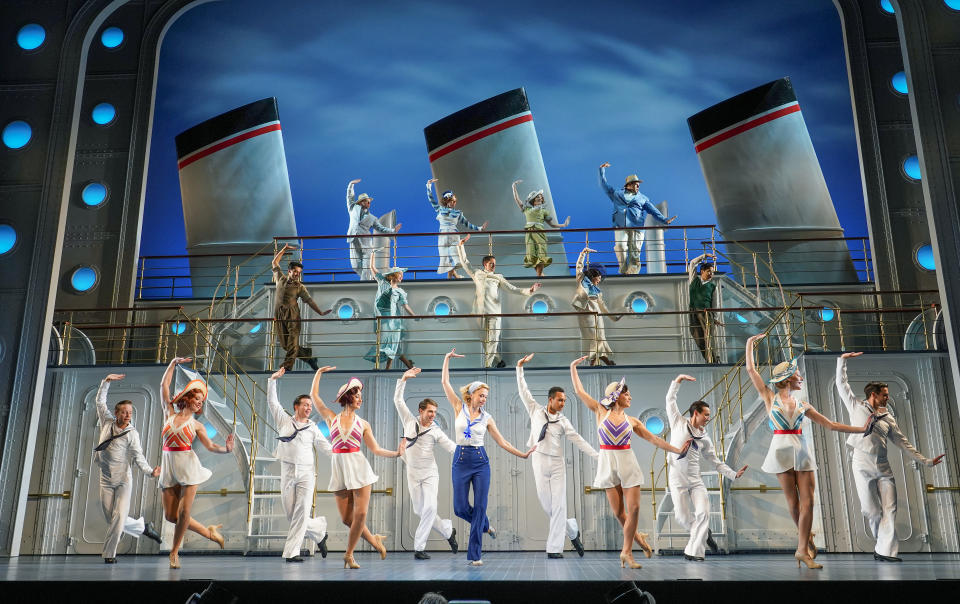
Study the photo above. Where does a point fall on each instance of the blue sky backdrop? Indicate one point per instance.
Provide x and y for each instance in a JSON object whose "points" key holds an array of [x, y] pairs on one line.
{"points": [[608, 80]]}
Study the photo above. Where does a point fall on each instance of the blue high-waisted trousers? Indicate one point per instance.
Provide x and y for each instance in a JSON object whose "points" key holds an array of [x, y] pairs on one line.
{"points": [[471, 467]]}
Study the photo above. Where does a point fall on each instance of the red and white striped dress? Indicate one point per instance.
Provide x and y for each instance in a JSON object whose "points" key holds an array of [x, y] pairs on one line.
{"points": [[179, 465], [350, 468]]}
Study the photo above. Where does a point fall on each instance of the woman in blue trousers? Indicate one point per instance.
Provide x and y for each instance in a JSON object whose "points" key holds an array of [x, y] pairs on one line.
{"points": [[471, 466]]}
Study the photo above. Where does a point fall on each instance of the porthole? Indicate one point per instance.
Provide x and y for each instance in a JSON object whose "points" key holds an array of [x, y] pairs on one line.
{"points": [[178, 328], [639, 302], [346, 308], [899, 82], [255, 329], [441, 306], [83, 279], [17, 134], [31, 36], [654, 420], [103, 114], [539, 304], [112, 37], [94, 194], [924, 257], [887, 7], [8, 239], [911, 168]]}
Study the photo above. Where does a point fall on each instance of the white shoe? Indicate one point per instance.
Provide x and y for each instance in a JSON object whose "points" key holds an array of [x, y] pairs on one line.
{"points": [[476, 562]]}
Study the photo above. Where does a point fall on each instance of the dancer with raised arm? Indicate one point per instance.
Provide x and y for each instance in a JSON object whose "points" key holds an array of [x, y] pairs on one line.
{"points": [[119, 446], [702, 321], [423, 435], [390, 299], [361, 221], [351, 474], [691, 506], [872, 475], [790, 456], [298, 438], [630, 209], [619, 473], [451, 221], [548, 427], [180, 469], [471, 466], [286, 311], [589, 299], [486, 301], [537, 220]]}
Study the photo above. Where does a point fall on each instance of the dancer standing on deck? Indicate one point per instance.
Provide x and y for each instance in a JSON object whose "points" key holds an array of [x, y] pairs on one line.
{"points": [[790, 456], [451, 221], [119, 446], [537, 220], [589, 299], [361, 221], [180, 470], [471, 466], [351, 474], [618, 473], [691, 505], [297, 440], [286, 311], [548, 427], [423, 435], [872, 475], [630, 208]]}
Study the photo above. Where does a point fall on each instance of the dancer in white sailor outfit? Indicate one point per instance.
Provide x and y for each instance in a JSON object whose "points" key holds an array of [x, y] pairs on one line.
{"points": [[119, 446], [298, 437], [351, 475], [180, 469], [361, 221], [548, 427], [423, 435], [790, 455], [876, 487], [451, 221], [691, 506]]}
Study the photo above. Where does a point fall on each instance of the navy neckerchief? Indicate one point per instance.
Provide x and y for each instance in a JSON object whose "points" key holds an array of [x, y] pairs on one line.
{"points": [[413, 441], [543, 431], [107, 442]]}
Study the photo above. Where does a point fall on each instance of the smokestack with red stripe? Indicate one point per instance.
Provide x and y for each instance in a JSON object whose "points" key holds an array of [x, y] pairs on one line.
{"points": [[765, 182], [235, 190], [478, 152]]}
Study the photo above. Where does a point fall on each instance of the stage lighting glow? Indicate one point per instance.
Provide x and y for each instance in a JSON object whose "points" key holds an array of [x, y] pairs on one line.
{"points": [[83, 279], [31, 36], [103, 113], [899, 82], [94, 194], [17, 134], [112, 37]]}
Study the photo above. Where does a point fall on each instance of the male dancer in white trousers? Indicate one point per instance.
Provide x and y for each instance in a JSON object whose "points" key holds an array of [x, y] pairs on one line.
{"points": [[118, 445], [871, 470], [423, 477], [548, 426], [298, 436], [691, 505]]}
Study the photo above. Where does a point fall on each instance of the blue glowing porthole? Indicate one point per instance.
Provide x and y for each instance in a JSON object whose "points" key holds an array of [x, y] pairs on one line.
{"points": [[886, 6], [31, 37], [442, 309], [899, 82], [83, 279], [655, 425], [17, 134], [826, 314], [911, 167], [103, 114], [639, 305], [178, 328], [740, 318], [925, 257], [345, 311], [211, 431], [94, 194], [256, 328], [951, 4], [539, 307], [8, 238], [112, 37]]}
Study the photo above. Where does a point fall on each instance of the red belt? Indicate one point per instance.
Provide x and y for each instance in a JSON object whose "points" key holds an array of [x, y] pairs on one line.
{"points": [[166, 448], [788, 431], [615, 447], [347, 450]]}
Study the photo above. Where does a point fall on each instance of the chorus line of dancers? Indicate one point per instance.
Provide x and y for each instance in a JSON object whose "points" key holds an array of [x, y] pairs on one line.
{"points": [[789, 457]]}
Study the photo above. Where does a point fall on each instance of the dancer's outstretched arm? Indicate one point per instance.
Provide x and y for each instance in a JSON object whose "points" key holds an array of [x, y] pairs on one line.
{"points": [[504, 444], [322, 408], [640, 430], [818, 418], [372, 444], [452, 394], [587, 400], [762, 389], [165, 397]]}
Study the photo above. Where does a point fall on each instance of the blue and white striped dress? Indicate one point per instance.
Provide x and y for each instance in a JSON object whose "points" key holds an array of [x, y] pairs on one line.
{"points": [[790, 449]]}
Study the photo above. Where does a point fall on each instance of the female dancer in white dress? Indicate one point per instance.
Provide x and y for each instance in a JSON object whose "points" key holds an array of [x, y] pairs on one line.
{"points": [[351, 474], [471, 464], [589, 298], [180, 469], [618, 471], [790, 456]]}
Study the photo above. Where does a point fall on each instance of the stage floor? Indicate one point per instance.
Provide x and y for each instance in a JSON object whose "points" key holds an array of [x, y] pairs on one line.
{"points": [[498, 566]]}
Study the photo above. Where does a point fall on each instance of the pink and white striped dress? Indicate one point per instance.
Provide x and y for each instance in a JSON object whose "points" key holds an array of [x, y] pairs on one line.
{"points": [[349, 467]]}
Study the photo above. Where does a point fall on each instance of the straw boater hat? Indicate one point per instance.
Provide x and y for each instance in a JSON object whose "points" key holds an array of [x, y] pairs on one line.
{"points": [[533, 195], [350, 385], [612, 392], [191, 385], [393, 269], [782, 371], [364, 197]]}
